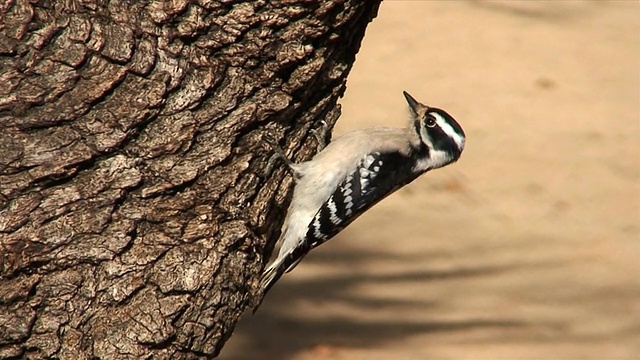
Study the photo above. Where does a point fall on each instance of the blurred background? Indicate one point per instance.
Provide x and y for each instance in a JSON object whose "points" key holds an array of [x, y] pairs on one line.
{"points": [[529, 246]]}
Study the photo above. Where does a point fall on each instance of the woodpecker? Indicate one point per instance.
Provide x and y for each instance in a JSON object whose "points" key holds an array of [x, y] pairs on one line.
{"points": [[354, 172]]}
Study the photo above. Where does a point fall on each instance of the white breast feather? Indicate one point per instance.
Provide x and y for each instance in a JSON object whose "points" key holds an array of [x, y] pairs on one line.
{"points": [[327, 170]]}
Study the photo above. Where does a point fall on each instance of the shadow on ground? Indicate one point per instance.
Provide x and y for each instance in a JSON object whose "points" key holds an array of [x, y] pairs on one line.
{"points": [[288, 322]]}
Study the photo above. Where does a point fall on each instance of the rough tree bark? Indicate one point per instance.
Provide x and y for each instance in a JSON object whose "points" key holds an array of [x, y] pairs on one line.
{"points": [[134, 221]]}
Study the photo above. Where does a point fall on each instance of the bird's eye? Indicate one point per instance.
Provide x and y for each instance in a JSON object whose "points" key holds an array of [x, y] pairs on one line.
{"points": [[430, 121]]}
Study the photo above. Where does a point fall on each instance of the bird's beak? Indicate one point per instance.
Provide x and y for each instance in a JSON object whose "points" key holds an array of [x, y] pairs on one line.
{"points": [[416, 107]]}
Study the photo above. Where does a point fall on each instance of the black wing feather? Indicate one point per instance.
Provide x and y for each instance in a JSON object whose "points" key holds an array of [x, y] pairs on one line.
{"points": [[376, 176]]}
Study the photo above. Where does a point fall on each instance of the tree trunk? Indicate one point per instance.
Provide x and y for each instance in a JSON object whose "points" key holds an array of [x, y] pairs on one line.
{"points": [[134, 219]]}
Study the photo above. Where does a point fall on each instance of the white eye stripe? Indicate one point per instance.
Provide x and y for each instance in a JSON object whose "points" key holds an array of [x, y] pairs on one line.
{"points": [[448, 129]]}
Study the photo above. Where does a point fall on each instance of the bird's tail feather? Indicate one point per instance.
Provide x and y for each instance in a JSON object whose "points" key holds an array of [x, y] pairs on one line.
{"points": [[269, 277], [275, 271]]}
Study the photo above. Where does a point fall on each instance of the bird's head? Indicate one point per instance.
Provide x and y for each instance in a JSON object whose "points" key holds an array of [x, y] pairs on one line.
{"points": [[438, 131]]}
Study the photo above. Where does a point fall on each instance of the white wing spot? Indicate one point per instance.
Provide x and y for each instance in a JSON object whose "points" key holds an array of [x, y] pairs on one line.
{"points": [[348, 180], [348, 204], [376, 168], [369, 160], [333, 210], [316, 232], [364, 172]]}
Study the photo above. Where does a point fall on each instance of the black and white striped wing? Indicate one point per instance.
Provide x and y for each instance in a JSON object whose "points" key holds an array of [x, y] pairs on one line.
{"points": [[376, 176]]}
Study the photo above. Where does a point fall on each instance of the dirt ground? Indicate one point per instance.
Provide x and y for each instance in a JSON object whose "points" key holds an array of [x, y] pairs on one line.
{"points": [[529, 246]]}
